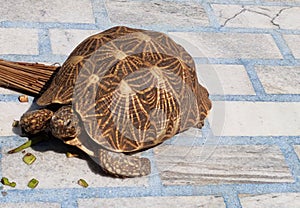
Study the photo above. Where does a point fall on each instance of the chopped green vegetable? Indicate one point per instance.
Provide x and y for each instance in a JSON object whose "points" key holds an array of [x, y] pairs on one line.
{"points": [[6, 182], [29, 158], [15, 123], [83, 183], [27, 144], [33, 183], [13, 184]]}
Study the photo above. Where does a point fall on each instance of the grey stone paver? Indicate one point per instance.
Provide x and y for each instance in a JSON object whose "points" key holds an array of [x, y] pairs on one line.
{"points": [[157, 12], [46, 11], [153, 202], [221, 165], [64, 41], [293, 42], [225, 79], [4, 91], [260, 118], [10, 111], [279, 79], [13, 41], [228, 45], [30, 205], [279, 200]]}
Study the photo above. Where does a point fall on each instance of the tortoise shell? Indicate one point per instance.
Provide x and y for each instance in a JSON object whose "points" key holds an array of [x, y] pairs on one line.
{"points": [[131, 88]]}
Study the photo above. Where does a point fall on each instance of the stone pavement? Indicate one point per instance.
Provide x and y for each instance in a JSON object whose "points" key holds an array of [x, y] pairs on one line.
{"points": [[248, 55]]}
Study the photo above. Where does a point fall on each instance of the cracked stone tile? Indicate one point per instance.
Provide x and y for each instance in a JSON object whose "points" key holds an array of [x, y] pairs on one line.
{"points": [[293, 42], [257, 16], [289, 18], [274, 200], [164, 13], [279, 79]]}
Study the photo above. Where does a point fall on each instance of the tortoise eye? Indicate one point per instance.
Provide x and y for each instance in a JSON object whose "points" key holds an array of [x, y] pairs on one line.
{"points": [[68, 122]]}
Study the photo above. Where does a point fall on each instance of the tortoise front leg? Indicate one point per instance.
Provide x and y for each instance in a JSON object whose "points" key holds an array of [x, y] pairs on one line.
{"points": [[119, 164], [35, 121]]}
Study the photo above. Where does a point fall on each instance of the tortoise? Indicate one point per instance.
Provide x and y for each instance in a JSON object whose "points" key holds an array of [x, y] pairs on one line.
{"points": [[119, 92]]}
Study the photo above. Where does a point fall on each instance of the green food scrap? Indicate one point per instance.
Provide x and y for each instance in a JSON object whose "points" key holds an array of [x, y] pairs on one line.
{"points": [[29, 158], [83, 183], [13, 184], [27, 144], [6, 182], [33, 183], [21, 147]]}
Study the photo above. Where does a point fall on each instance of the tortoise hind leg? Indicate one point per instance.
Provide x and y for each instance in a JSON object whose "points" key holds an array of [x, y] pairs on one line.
{"points": [[119, 164]]}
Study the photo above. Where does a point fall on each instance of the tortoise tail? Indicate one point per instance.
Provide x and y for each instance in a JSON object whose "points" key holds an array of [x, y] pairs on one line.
{"points": [[121, 165], [28, 78]]}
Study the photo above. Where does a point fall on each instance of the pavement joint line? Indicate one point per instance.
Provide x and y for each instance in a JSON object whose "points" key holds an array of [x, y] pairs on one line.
{"points": [[257, 2], [17, 196], [86, 26], [283, 47], [69, 204], [238, 61], [213, 20], [214, 97], [232, 200], [154, 182], [291, 159], [101, 15], [11, 141], [256, 83], [44, 42], [47, 25], [255, 98], [35, 58]]}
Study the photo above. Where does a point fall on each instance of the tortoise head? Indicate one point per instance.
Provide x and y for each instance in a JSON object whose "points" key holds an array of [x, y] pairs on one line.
{"points": [[65, 123], [204, 103]]}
